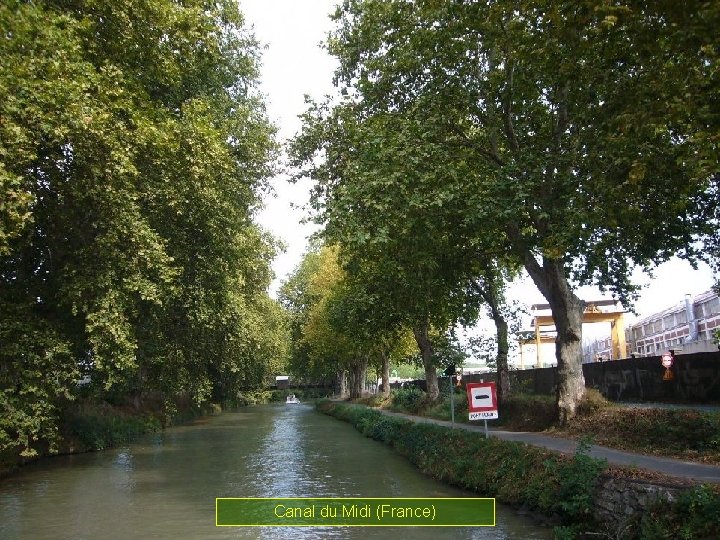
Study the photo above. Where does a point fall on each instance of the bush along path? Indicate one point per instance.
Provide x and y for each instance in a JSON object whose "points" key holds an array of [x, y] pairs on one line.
{"points": [[570, 490], [696, 472]]}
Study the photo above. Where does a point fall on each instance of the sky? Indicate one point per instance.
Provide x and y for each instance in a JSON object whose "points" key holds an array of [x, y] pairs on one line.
{"points": [[293, 65]]}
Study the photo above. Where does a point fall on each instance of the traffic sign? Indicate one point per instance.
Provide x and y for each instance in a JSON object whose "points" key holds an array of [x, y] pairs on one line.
{"points": [[482, 401], [667, 359]]}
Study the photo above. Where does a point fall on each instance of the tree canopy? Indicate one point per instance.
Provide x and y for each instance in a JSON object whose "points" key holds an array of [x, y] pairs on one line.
{"points": [[134, 149], [578, 140]]}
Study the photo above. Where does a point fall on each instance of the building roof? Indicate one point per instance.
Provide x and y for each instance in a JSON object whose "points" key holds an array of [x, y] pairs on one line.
{"points": [[680, 306]]}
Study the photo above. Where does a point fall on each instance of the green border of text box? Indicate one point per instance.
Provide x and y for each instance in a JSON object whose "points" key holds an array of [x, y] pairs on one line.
{"points": [[218, 499]]}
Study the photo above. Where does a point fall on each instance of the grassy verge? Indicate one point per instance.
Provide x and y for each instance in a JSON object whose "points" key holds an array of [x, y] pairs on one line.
{"points": [[552, 484], [683, 434]]}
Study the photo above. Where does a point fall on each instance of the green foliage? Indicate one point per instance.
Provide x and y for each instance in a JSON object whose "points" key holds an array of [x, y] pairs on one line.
{"points": [[509, 132], [577, 481], [254, 397], [97, 430], [37, 374], [133, 152], [406, 370], [441, 408], [410, 400], [514, 473], [318, 350], [694, 515], [374, 400], [337, 324]]}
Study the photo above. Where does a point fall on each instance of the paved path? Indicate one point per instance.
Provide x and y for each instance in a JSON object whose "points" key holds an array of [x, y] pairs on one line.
{"points": [[671, 467]]}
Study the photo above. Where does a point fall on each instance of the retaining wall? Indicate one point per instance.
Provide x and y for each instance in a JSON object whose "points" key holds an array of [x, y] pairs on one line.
{"points": [[617, 500]]}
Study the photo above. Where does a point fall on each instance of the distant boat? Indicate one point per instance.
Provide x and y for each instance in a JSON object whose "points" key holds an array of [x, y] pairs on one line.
{"points": [[292, 399]]}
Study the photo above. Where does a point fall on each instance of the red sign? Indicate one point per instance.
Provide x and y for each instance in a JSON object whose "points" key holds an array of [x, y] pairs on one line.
{"points": [[482, 401], [667, 359]]}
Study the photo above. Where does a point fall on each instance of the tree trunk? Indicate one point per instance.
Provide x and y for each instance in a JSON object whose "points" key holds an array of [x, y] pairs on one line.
{"points": [[342, 383], [385, 374], [567, 311], [427, 352], [503, 375], [357, 376], [489, 294]]}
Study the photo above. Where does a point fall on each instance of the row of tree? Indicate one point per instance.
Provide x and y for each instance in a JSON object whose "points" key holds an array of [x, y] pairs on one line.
{"points": [[133, 152], [334, 326], [471, 140]]}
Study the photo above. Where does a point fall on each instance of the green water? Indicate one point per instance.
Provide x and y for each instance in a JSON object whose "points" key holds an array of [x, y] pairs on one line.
{"points": [[165, 485]]}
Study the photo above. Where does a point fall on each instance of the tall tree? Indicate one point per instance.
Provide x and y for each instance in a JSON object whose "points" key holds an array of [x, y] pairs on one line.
{"points": [[376, 191], [581, 152], [133, 148]]}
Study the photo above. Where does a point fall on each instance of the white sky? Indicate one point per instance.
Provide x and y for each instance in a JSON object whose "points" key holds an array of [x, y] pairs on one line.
{"points": [[293, 65]]}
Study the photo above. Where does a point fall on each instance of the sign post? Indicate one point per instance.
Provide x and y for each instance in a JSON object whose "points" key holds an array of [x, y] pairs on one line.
{"points": [[458, 383], [449, 374], [482, 402], [452, 403]]}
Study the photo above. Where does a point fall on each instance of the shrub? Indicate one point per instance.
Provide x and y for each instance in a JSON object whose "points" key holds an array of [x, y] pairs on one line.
{"points": [[409, 400], [441, 408], [101, 429], [375, 400], [592, 402], [528, 412], [694, 515], [512, 472]]}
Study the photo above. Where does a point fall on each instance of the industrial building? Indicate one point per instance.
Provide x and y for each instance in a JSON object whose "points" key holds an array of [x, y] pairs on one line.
{"points": [[687, 327]]}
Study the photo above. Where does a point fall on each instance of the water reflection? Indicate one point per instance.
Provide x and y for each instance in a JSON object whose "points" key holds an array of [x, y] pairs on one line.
{"points": [[165, 486]]}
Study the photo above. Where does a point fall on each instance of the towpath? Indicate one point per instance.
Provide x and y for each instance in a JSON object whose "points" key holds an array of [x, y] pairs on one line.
{"points": [[671, 467]]}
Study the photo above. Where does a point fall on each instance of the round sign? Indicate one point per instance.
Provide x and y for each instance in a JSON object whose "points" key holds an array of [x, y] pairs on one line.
{"points": [[667, 359]]}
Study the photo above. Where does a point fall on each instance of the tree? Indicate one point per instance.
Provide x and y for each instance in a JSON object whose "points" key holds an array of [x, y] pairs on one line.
{"points": [[299, 295], [373, 191], [489, 285], [556, 113], [134, 148]]}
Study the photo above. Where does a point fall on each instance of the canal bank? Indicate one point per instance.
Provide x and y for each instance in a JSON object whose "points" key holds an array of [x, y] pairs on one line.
{"points": [[91, 425], [579, 492], [164, 486]]}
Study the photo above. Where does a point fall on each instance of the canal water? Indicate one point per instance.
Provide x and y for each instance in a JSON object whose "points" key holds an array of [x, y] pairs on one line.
{"points": [[165, 485]]}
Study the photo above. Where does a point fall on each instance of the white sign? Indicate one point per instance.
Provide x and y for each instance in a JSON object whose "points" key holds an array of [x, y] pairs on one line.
{"points": [[487, 415], [481, 397]]}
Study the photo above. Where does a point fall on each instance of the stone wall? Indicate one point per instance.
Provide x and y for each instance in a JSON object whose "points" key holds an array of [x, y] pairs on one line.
{"points": [[617, 500]]}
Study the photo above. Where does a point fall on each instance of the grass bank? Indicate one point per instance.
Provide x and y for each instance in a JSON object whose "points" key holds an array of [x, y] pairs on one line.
{"points": [[684, 434], [557, 486]]}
